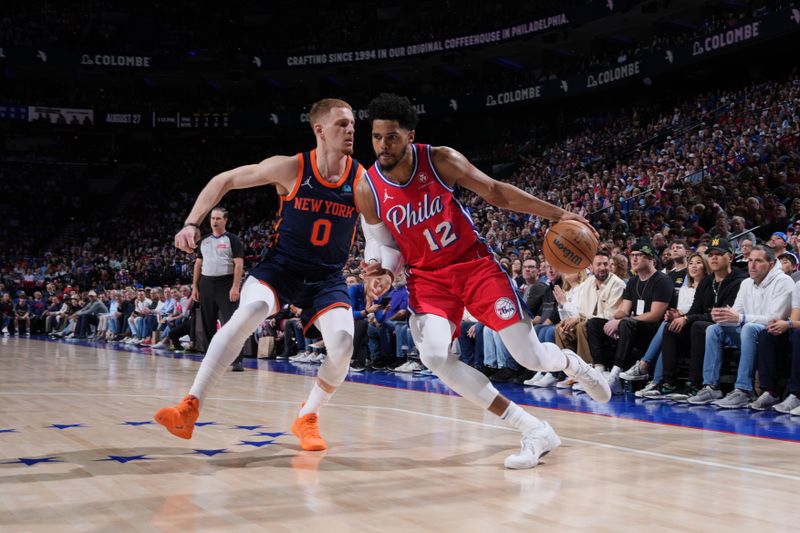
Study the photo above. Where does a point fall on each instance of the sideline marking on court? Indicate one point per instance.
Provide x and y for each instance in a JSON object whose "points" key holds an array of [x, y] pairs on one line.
{"points": [[665, 456]]}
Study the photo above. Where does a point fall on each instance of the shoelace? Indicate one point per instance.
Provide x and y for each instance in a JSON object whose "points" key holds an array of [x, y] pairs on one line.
{"points": [[184, 408], [584, 374], [308, 427], [534, 444], [764, 398]]}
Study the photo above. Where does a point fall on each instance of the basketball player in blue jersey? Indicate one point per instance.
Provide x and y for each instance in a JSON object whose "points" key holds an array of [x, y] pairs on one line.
{"points": [[303, 266]]}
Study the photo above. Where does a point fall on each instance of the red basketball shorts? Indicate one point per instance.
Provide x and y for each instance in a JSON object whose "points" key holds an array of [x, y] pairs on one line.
{"points": [[481, 285]]}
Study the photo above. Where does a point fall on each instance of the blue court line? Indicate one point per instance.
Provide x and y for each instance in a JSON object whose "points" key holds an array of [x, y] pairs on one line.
{"points": [[768, 424]]}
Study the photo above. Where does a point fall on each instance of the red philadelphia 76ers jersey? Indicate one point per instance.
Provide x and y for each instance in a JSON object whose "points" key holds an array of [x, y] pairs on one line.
{"points": [[432, 229]]}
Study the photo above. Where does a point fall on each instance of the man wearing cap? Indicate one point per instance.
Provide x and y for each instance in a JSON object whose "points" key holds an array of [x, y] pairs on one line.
{"points": [[765, 296], [778, 242], [644, 303], [789, 265], [88, 316], [686, 334]]}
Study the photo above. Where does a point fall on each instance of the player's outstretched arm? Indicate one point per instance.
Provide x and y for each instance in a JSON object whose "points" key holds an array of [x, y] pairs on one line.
{"points": [[382, 259], [278, 170], [456, 169]]}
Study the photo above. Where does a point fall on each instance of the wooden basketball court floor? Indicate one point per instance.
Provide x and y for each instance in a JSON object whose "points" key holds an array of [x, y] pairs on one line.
{"points": [[78, 453]]}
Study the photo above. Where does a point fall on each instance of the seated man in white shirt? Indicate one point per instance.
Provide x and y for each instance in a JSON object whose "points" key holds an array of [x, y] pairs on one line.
{"points": [[765, 296], [600, 297]]}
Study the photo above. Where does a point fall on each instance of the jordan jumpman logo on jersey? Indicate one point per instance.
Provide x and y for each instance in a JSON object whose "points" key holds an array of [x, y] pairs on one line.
{"points": [[386, 196], [307, 182]]}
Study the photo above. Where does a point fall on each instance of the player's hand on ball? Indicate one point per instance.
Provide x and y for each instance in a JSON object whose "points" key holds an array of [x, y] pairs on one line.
{"points": [[576, 217]]}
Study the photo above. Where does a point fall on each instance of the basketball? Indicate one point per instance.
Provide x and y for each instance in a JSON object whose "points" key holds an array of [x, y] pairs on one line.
{"points": [[569, 246]]}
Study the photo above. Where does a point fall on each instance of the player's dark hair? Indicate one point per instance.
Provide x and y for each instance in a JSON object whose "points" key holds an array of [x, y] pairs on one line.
{"points": [[389, 106]]}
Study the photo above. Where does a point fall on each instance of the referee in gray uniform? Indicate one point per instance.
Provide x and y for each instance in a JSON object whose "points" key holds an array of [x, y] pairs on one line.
{"points": [[218, 276]]}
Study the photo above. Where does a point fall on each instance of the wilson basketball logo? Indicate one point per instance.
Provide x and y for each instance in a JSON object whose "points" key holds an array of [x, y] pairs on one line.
{"points": [[505, 308], [568, 254]]}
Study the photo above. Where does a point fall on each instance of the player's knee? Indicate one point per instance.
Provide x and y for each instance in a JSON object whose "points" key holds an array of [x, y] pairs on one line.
{"points": [[343, 340], [340, 348], [337, 364]]}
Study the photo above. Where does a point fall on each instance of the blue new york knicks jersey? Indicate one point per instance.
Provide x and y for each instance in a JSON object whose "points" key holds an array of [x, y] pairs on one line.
{"points": [[317, 220]]}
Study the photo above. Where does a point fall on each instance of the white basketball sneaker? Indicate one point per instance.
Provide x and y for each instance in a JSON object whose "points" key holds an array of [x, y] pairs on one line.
{"points": [[535, 444], [594, 384], [535, 379]]}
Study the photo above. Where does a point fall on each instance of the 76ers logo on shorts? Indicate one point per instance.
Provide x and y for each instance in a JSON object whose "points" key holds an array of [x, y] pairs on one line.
{"points": [[505, 308]]}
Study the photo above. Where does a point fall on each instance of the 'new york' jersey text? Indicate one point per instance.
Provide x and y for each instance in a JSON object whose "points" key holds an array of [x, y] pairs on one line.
{"points": [[316, 221]]}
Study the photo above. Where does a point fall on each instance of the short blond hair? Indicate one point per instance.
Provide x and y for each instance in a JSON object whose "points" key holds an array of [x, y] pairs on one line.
{"points": [[323, 107], [567, 286]]}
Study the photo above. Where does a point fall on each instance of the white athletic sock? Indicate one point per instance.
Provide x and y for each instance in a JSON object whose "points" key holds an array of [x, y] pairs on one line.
{"points": [[616, 371], [316, 399], [516, 417], [601, 368]]}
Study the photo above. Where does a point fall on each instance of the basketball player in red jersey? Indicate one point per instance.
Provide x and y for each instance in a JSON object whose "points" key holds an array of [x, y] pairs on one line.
{"points": [[408, 206], [303, 266]]}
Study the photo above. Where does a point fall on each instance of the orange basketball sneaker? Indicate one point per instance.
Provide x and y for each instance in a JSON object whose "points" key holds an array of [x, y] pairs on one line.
{"points": [[179, 420], [307, 430]]}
